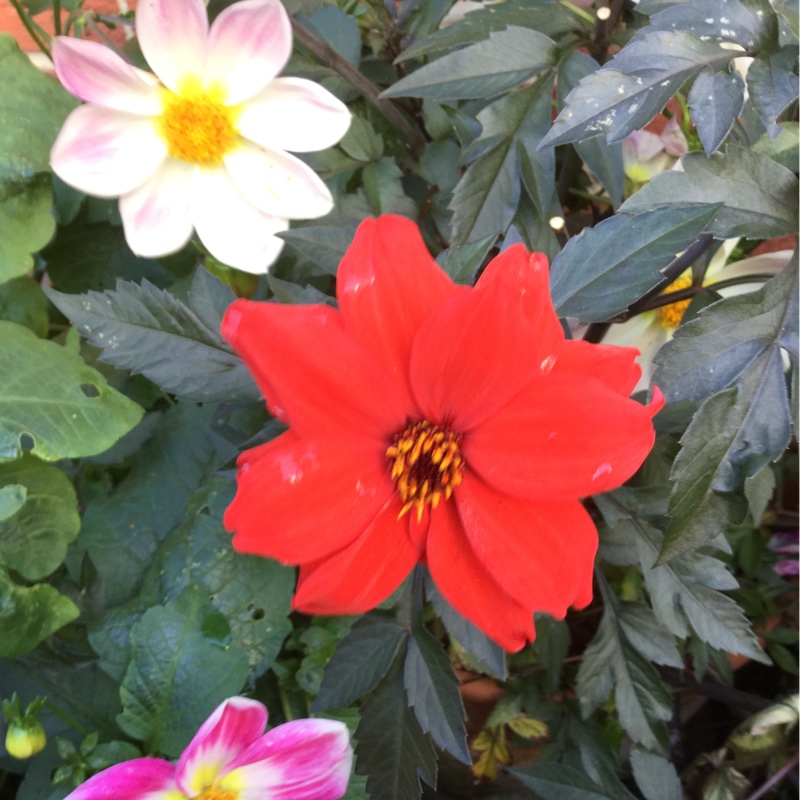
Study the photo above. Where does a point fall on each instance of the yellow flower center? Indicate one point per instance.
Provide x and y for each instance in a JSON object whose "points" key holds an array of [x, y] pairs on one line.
{"points": [[670, 316], [195, 123], [426, 465], [216, 793]]}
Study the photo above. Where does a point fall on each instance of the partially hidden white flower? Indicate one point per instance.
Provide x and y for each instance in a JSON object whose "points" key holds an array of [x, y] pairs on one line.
{"points": [[652, 329], [645, 154], [201, 144]]}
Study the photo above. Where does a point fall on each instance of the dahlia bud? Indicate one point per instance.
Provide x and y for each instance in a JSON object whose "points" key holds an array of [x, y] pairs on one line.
{"points": [[25, 739]]}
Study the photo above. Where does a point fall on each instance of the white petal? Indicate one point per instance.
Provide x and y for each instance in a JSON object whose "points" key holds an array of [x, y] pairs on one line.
{"points": [[766, 263], [96, 74], [277, 183], [173, 36], [157, 217], [294, 114], [106, 153], [644, 332], [232, 229], [249, 44]]}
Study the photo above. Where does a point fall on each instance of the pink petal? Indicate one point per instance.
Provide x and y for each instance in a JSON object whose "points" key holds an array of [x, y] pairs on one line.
{"points": [[230, 730], [249, 44], [157, 215], [478, 350], [277, 183], [233, 230], [95, 73], [132, 780], [106, 153], [308, 759], [294, 114], [173, 36]]}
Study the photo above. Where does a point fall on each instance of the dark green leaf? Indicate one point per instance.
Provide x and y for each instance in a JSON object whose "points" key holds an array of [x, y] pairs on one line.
{"points": [[178, 673], [486, 198], [432, 690], [23, 301], [648, 636], [655, 776], [12, 498], [633, 87], [772, 89], [485, 69], [550, 649], [559, 782], [544, 16], [360, 660], [643, 702], [604, 269], [716, 100], [52, 398], [29, 614], [463, 262], [785, 148], [324, 246], [758, 196], [384, 188], [758, 490], [34, 541], [145, 329], [392, 750]]}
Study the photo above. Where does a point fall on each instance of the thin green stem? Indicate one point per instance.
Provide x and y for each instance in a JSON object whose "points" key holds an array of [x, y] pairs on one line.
{"points": [[57, 17], [64, 717], [91, 24], [285, 707], [37, 33], [578, 12]]}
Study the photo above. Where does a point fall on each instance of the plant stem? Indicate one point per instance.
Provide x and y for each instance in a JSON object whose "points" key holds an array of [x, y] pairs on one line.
{"points": [[366, 87], [691, 291], [64, 717], [57, 17], [33, 29], [776, 778], [578, 12]]}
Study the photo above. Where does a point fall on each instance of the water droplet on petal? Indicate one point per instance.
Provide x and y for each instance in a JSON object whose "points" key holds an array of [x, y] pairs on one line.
{"points": [[603, 469], [548, 364]]}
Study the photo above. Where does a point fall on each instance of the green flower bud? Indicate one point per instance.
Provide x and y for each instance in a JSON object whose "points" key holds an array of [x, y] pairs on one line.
{"points": [[25, 739]]}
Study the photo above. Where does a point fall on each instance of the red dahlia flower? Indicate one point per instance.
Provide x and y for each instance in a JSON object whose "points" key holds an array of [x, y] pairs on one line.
{"points": [[438, 423]]}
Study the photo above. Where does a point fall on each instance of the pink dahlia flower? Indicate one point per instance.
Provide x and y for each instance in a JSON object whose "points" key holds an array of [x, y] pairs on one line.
{"points": [[200, 144], [231, 758]]}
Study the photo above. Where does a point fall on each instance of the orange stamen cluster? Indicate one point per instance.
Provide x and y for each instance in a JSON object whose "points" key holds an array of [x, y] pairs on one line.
{"points": [[670, 316], [216, 793], [197, 127], [426, 465]]}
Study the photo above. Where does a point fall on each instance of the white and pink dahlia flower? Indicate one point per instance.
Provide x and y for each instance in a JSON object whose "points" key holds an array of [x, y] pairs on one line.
{"points": [[231, 758], [200, 145]]}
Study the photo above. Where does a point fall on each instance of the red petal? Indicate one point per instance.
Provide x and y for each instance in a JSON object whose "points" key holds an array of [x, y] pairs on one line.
{"points": [[478, 350], [561, 438], [469, 588], [542, 554], [362, 575], [314, 375], [387, 285], [614, 366], [299, 500]]}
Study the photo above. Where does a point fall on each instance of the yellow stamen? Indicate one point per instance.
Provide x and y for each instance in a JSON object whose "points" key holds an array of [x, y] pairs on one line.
{"points": [[215, 792], [426, 465], [670, 316], [196, 124]]}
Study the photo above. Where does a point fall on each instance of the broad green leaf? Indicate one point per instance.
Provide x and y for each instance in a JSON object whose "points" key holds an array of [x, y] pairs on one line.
{"points": [[548, 18], [145, 329], [485, 69], [737, 342], [605, 269], [487, 196], [324, 246], [648, 635], [29, 614], [603, 159], [642, 700], [52, 403], [784, 149], [559, 782], [361, 142], [716, 100], [463, 262], [392, 750], [182, 667], [32, 108], [633, 87], [758, 195], [122, 531], [758, 489], [360, 660], [656, 777], [772, 88], [384, 188], [686, 591], [550, 647], [23, 301], [432, 690], [12, 498], [34, 541]]}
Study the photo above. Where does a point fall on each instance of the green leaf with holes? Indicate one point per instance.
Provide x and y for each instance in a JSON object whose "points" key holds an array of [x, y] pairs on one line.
{"points": [[52, 403]]}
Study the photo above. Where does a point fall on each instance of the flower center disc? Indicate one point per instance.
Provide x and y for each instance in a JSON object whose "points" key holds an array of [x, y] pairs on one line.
{"points": [[670, 316], [195, 124], [426, 465], [216, 793]]}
